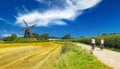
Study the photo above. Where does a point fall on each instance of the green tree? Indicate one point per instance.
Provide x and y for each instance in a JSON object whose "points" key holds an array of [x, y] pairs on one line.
{"points": [[8, 38], [67, 36], [36, 35], [104, 34], [44, 36], [81, 36], [13, 37]]}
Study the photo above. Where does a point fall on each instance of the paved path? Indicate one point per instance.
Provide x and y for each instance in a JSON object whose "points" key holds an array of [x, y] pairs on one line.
{"points": [[110, 58]]}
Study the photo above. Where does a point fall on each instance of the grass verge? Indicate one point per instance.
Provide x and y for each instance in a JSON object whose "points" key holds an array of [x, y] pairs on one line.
{"points": [[73, 57]]}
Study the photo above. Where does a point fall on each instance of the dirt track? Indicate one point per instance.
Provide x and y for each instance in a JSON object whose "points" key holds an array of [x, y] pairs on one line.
{"points": [[26, 57], [108, 57]]}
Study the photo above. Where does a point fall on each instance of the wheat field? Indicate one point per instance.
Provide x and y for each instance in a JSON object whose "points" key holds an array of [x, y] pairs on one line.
{"points": [[26, 55]]}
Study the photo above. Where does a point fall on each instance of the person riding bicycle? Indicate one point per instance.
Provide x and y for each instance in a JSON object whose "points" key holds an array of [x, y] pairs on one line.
{"points": [[102, 44], [93, 43]]}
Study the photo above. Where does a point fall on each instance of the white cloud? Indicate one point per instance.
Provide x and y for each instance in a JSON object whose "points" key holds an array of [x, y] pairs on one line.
{"points": [[19, 35], [6, 34], [9, 34], [41, 1], [5, 21], [47, 2], [73, 8], [1, 19]]}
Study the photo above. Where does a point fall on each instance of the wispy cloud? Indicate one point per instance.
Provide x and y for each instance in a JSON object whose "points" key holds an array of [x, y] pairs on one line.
{"points": [[6, 33], [55, 16], [47, 2], [6, 21], [1, 19], [9, 34], [41, 1]]}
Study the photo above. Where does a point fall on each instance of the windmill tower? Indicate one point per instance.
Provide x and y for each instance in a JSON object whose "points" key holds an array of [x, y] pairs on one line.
{"points": [[27, 29]]}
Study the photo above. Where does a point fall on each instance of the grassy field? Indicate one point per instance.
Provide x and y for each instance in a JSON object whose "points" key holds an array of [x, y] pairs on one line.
{"points": [[47, 55], [73, 57]]}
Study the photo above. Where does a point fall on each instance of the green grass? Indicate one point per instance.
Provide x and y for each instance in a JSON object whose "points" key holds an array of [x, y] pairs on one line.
{"points": [[24, 40], [76, 58], [1, 41], [73, 57]]}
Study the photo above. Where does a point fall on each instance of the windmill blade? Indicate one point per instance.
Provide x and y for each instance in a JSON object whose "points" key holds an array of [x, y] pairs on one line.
{"points": [[33, 26], [22, 30], [25, 23]]}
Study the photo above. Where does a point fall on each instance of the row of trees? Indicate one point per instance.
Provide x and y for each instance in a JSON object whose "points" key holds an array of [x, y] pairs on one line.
{"points": [[37, 36], [41, 37], [46, 36]]}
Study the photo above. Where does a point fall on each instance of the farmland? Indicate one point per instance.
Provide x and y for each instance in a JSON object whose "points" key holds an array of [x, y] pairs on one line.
{"points": [[46, 55], [26, 55]]}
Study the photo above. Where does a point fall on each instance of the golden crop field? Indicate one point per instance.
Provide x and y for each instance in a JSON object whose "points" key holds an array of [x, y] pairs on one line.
{"points": [[26, 55]]}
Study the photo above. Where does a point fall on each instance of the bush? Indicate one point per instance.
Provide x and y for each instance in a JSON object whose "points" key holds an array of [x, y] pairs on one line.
{"points": [[24, 40], [111, 40]]}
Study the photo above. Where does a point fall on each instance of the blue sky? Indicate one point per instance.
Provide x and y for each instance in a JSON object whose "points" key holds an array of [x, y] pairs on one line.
{"points": [[60, 17]]}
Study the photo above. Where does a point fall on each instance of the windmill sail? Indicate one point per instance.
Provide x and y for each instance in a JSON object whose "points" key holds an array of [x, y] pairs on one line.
{"points": [[25, 23], [27, 30], [32, 26]]}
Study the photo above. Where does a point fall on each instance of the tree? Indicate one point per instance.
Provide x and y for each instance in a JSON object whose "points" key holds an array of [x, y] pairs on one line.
{"points": [[44, 36], [8, 38], [67, 36], [81, 36], [13, 37], [104, 34], [36, 35], [54, 37]]}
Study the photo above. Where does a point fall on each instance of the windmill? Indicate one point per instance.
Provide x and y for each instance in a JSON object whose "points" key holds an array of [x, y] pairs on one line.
{"points": [[27, 30]]}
